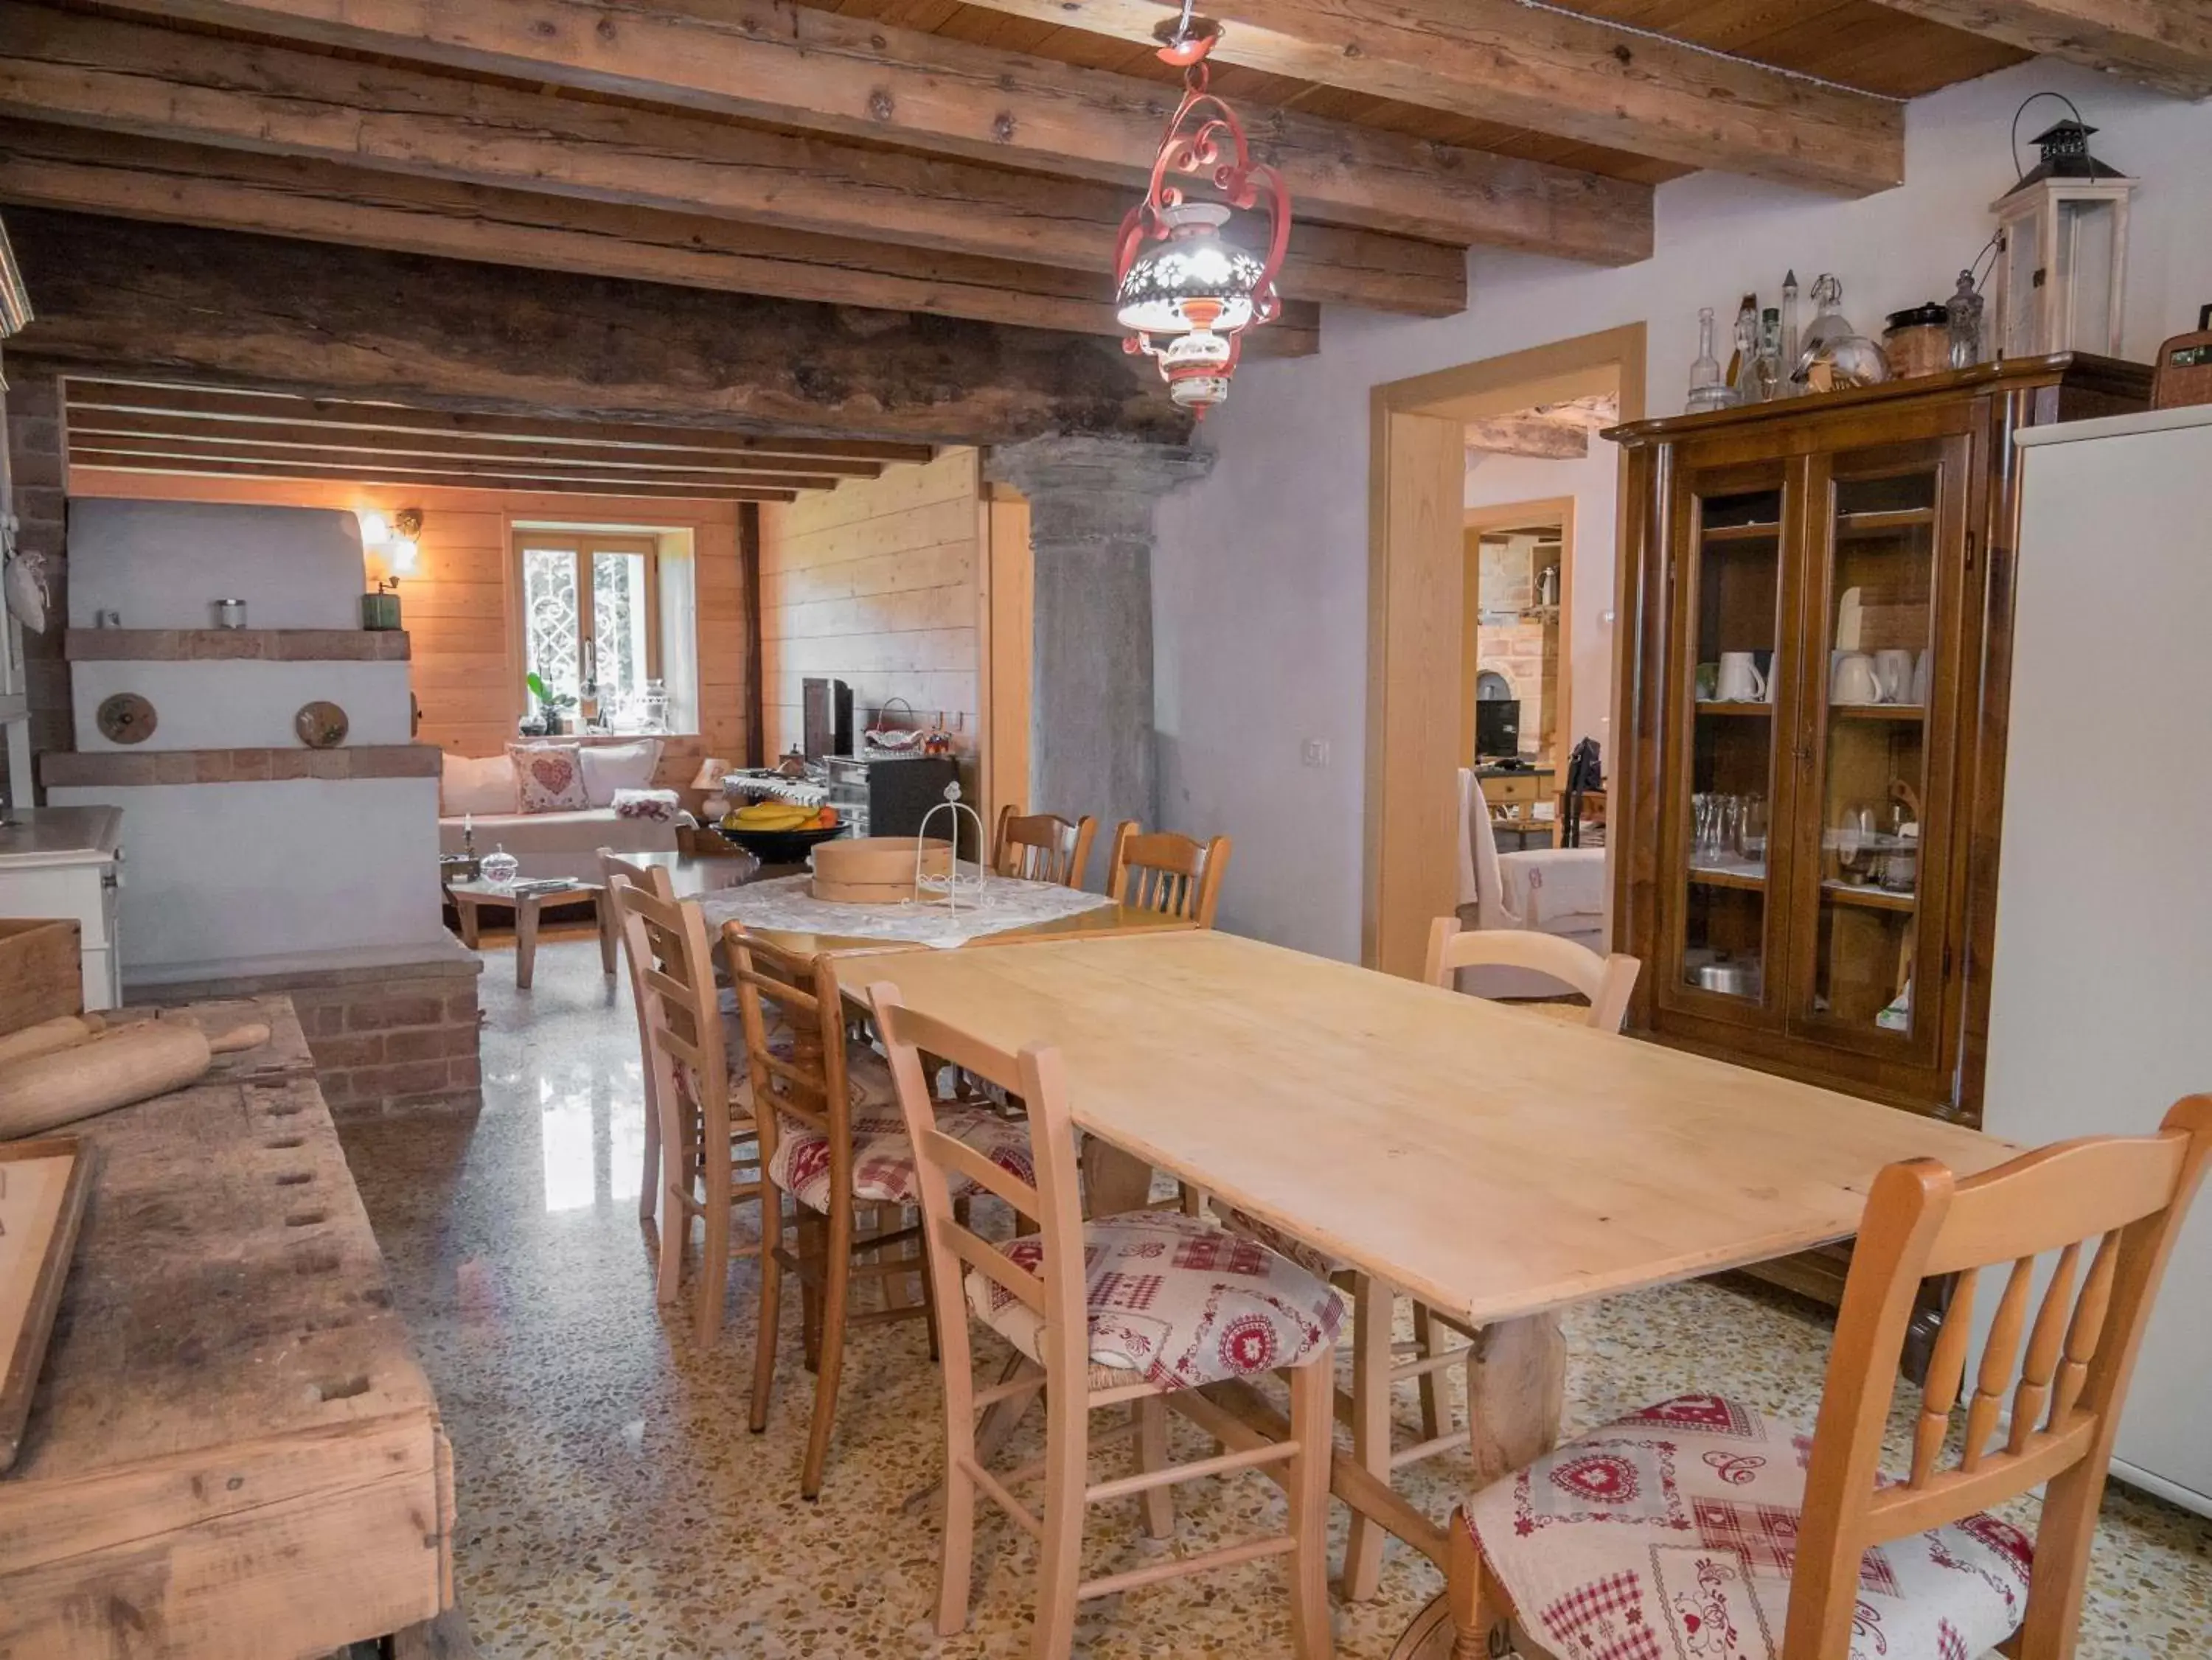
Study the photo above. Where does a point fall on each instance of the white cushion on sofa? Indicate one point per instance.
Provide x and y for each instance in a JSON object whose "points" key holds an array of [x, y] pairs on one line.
{"points": [[484, 786], [561, 843], [611, 767]]}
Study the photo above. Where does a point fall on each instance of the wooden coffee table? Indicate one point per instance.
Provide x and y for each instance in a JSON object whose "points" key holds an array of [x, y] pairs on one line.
{"points": [[526, 899]]}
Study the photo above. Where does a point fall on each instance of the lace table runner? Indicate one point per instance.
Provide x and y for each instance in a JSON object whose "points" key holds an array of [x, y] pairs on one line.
{"points": [[1004, 903]]}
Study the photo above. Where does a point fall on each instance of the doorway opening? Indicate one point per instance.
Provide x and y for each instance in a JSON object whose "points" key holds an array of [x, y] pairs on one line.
{"points": [[1450, 452], [1515, 690]]}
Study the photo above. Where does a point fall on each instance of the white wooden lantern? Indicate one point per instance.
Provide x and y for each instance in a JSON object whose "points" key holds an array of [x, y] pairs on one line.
{"points": [[2063, 265]]}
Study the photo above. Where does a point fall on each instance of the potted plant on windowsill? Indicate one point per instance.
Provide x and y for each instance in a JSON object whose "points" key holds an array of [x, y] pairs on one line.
{"points": [[551, 718]]}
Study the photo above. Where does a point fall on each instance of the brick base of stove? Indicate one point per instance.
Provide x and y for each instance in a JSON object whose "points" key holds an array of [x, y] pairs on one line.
{"points": [[387, 1036]]}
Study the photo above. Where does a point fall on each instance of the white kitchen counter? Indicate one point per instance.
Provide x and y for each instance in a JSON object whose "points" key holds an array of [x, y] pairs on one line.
{"points": [[67, 862]]}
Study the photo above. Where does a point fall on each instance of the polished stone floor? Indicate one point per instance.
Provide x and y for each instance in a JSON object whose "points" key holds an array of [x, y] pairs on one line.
{"points": [[612, 1502]]}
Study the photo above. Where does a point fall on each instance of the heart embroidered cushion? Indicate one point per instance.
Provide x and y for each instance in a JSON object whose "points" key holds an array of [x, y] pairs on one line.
{"points": [[550, 777]]}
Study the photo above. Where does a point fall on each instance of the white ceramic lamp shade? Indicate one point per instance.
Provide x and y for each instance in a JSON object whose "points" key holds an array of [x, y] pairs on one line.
{"points": [[1191, 279]]}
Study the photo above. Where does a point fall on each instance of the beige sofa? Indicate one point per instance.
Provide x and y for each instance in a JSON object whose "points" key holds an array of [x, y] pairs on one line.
{"points": [[484, 795]]}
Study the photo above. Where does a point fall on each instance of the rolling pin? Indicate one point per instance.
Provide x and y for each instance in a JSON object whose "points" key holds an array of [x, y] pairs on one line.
{"points": [[57, 1033], [109, 1070]]}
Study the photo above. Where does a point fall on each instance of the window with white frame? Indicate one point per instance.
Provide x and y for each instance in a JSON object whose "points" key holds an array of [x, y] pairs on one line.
{"points": [[609, 625]]}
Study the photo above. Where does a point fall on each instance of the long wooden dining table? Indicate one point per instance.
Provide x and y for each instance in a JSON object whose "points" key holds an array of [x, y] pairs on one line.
{"points": [[1498, 1168]]}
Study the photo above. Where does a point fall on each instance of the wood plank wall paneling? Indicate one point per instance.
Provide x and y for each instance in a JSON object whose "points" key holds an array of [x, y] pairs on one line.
{"points": [[877, 584], [459, 609]]}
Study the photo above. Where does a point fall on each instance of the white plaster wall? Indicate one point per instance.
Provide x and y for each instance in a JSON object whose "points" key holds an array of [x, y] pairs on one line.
{"points": [[1593, 482], [162, 563], [1260, 570], [223, 874], [217, 704]]}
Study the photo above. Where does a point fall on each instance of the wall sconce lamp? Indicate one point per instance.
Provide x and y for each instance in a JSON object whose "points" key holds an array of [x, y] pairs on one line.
{"points": [[399, 541]]}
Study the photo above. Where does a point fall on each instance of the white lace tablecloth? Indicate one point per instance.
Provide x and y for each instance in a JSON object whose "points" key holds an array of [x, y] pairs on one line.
{"points": [[1004, 903]]}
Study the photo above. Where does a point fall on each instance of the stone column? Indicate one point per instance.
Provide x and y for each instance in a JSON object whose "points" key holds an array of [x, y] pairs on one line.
{"points": [[1092, 738]]}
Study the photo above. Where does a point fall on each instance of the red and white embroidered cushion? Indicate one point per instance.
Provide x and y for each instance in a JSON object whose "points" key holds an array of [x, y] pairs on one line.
{"points": [[1671, 1535], [883, 1157], [1311, 1257], [549, 777], [1177, 1299]]}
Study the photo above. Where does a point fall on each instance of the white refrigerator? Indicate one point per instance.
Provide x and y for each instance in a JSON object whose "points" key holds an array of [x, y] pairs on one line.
{"points": [[2102, 989]]}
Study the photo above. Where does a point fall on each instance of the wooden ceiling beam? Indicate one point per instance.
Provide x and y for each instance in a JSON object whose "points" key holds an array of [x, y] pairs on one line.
{"points": [[169, 303], [87, 71], [75, 168], [1550, 72], [276, 439], [342, 420], [345, 458], [2163, 44], [774, 61], [552, 484], [1538, 438]]}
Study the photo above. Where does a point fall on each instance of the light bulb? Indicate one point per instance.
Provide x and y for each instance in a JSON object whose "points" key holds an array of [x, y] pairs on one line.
{"points": [[375, 532]]}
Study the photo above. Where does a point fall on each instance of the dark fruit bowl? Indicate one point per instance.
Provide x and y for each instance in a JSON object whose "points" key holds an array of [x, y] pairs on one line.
{"points": [[782, 846]]}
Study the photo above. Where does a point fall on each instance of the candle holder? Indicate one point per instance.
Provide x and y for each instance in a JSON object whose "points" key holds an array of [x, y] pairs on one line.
{"points": [[948, 889]]}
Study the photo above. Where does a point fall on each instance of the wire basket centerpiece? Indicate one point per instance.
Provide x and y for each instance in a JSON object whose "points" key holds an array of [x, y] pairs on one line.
{"points": [[952, 887]]}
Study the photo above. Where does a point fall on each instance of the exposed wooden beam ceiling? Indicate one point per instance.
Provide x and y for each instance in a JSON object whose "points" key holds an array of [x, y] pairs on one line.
{"points": [[195, 466], [1550, 72], [2165, 43], [110, 405], [45, 166], [241, 440], [158, 83], [340, 457], [769, 60], [175, 303]]}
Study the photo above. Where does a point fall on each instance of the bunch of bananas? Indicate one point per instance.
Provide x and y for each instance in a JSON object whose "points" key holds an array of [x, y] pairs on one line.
{"points": [[780, 815]]}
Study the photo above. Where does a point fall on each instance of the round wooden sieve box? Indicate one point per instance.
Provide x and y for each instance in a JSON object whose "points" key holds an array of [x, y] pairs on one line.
{"points": [[875, 870]]}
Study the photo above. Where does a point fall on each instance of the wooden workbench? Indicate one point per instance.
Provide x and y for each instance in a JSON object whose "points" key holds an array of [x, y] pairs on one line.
{"points": [[232, 1452]]}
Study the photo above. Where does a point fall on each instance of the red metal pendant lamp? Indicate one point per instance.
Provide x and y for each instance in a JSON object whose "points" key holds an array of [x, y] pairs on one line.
{"points": [[1187, 294]]}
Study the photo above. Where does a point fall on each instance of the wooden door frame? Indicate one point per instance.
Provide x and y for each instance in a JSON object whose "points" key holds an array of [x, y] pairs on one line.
{"points": [[1411, 818], [1506, 516]]}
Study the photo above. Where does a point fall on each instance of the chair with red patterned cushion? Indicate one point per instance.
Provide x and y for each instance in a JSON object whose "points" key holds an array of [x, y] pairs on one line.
{"points": [[1703, 1526], [614, 870], [835, 1143], [710, 1154], [1138, 1310]]}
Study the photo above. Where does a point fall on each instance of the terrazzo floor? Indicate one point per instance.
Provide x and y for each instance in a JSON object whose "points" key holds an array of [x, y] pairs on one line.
{"points": [[612, 1503]]}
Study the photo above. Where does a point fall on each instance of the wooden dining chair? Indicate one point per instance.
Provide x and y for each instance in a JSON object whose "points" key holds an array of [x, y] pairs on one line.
{"points": [[1608, 982], [1165, 872], [709, 1142], [1043, 846], [1213, 1307], [1703, 1511], [832, 1138], [1380, 1362], [614, 869]]}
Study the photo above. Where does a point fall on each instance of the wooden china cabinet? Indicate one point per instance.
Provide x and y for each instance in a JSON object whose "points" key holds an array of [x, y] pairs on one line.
{"points": [[1815, 639]]}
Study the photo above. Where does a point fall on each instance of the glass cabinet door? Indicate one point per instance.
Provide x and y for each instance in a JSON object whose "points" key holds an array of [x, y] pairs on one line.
{"points": [[1882, 588], [1726, 827]]}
